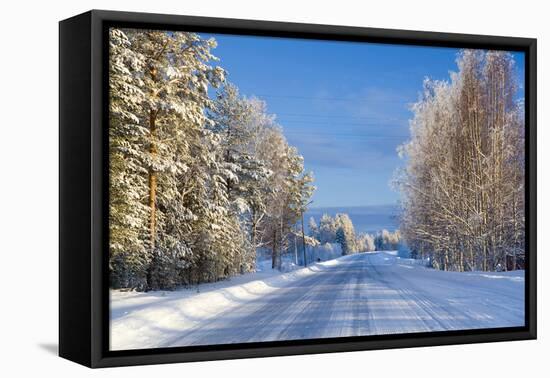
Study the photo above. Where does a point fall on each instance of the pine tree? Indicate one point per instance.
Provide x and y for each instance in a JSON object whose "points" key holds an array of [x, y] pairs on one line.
{"points": [[196, 185], [127, 177], [240, 123], [345, 234]]}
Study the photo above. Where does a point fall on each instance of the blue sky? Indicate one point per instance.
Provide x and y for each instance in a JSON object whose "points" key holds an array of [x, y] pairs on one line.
{"points": [[344, 105]]}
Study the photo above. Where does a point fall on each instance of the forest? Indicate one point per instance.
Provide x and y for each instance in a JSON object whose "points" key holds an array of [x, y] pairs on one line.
{"points": [[462, 188], [340, 230], [200, 176]]}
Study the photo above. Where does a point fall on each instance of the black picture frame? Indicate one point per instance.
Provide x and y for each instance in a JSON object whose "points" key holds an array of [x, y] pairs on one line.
{"points": [[83, 201]]}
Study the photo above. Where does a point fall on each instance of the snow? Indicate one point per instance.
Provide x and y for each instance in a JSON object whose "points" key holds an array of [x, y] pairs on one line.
{"points": [[143, 320], [362, 294]]}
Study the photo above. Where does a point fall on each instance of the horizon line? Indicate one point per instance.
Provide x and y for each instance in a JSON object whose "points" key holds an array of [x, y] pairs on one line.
{"points": [[342, 206]]}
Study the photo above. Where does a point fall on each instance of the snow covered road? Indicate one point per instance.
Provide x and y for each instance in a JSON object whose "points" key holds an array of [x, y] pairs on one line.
{"points": [[362, 294]]}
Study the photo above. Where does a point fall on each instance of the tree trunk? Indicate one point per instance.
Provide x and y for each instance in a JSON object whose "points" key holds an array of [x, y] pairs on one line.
{"points": [[152, 182], [282, 242], [274, 249], [152, 201], [295, 246]]}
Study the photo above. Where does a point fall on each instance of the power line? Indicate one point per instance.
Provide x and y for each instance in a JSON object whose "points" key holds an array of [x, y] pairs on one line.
{"points": [[338, 124], [346, 135], [328, 98], [338, 116]]}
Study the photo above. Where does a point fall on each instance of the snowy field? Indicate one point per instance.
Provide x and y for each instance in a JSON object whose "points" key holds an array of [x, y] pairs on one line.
{"points": [[363, 294]]}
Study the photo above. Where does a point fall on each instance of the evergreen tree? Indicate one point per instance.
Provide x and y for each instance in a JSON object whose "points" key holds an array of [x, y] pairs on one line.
{"points": [[345, 234], [127, 176], [196, 185], [327, 229]]}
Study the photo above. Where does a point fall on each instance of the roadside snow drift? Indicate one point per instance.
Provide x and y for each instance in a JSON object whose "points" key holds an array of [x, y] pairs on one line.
{"points": [[362, 294]]}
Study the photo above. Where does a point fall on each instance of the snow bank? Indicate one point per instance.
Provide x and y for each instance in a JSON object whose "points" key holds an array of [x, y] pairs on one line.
{"points": [[144, 320]]}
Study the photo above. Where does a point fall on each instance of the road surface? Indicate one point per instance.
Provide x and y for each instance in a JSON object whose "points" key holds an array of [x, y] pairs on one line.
{"points": [[366, 294]]}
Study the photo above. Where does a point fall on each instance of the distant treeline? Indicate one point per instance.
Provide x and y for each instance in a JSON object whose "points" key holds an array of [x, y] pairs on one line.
{"points": [[339, 229]]}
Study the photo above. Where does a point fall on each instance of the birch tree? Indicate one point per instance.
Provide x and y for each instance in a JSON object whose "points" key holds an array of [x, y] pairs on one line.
{"points": [[463, 184]]}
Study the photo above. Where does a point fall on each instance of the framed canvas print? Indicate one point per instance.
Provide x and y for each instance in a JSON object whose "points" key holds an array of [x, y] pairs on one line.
{"points": [[234, 188]]}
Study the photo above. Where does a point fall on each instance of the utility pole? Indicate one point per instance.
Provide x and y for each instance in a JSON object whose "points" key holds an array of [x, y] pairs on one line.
{"points": [[296, 243], [304, 239], [303, 232]]}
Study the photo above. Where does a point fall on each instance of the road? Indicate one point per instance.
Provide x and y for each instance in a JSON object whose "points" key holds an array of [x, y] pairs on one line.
{"points": [[367, 294]]}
